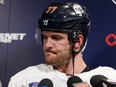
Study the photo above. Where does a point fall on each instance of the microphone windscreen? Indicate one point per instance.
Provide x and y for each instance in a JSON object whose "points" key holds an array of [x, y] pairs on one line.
{"points": [[72, 80], [95, 80], [45, 83]]}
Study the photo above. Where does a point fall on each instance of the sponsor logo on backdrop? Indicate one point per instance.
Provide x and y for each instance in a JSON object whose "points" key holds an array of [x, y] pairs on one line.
{"points": [[1, 1], [111, 39], [114, 1], [9, 37]]}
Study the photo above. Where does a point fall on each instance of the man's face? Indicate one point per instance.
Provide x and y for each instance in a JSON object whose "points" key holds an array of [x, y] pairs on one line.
{"points": [[56, 47]]}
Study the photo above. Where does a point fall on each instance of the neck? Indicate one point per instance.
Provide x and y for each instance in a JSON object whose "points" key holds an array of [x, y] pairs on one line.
{"points": [[79, 65]]}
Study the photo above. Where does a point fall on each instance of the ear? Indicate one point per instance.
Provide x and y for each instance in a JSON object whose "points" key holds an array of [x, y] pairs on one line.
{"points": [[79, 42]]}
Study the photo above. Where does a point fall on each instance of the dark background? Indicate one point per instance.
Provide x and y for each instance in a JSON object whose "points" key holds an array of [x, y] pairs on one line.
{"points": [[21, 16]]}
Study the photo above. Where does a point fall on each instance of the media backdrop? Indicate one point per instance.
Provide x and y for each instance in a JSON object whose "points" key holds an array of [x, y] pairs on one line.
{"points": [[19, 21]]}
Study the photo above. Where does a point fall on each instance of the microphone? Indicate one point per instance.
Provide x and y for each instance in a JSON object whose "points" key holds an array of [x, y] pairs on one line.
{"points": [[45, 83], [75, 81], [96, 80], [72, 80], [102, 81], [108, 83]]}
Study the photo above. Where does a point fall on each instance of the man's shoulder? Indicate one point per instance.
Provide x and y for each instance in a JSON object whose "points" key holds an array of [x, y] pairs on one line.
{"points": [[32, 70], [105, 68], [36, 74], [101, 70]]}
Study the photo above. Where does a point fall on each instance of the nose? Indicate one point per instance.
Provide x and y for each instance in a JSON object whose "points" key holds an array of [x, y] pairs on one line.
{"points": [[48, 43]]}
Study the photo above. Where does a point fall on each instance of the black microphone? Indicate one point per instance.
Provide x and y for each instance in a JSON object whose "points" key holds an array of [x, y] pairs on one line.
{"points": [[72, 80], [45, 83], [108, 83], [75, 81], [96, 80]]}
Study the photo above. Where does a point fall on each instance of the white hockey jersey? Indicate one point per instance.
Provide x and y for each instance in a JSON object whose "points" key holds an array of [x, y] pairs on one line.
{"points": [[31, 76]]}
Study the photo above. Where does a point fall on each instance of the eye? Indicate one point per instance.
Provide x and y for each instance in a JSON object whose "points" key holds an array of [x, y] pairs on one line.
{"points": [[44, 37], [57, 37]]}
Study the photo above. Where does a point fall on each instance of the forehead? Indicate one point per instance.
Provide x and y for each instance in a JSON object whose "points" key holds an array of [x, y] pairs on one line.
{"points": [[49, 33]]}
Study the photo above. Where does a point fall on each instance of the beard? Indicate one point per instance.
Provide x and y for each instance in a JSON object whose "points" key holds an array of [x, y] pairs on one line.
{"points": [[60, 60]]}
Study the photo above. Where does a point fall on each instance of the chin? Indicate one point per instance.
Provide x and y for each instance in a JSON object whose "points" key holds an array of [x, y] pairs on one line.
{"points": [[49, 60]]}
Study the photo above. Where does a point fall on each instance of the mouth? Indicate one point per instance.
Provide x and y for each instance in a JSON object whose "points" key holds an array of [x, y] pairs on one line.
{"points": [[49, 55], [49, 52]]}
